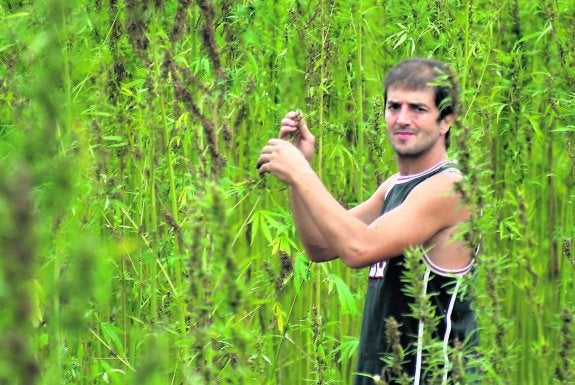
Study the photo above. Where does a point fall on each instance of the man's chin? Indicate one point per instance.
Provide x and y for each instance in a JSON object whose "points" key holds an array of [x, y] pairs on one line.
{"points": [[409, 153]]}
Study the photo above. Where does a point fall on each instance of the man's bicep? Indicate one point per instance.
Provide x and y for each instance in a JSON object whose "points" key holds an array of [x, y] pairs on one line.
{"points": [[370, 210], [413, 222]]}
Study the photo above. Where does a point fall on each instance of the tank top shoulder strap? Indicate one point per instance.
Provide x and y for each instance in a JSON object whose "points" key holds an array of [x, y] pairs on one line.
{"points": [[402, 185]]}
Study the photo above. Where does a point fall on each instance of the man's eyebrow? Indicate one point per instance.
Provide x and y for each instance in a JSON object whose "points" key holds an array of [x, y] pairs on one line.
{"points": [[413, 105], [418, 105]]}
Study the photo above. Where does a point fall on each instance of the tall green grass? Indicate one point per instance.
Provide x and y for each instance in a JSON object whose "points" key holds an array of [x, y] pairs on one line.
{"points": [[140, 245]]}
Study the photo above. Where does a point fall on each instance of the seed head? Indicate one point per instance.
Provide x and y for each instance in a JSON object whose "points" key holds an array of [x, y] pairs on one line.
{"points": [[296, 134], [299, 115]]}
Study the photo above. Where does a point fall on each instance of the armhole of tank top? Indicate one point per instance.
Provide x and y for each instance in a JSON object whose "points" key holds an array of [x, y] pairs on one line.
{"points": [[445, 272], [453, 170], [391, 186], [388, 190], [432, 266], [458, 172]]}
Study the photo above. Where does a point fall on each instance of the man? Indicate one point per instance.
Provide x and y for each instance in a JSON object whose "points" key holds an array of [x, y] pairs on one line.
{"points": [[416, 208]]}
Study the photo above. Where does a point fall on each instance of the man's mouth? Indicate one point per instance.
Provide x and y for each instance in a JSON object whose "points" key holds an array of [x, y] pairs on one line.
{"points": [[403, 134]]}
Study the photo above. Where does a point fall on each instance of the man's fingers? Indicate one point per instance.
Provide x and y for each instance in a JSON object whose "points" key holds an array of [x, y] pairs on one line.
{"points": [[290, 123], [292, 115], [263, 159], [306, 133], [290, 119], [274, 145], [262, 169], [286, 131]]}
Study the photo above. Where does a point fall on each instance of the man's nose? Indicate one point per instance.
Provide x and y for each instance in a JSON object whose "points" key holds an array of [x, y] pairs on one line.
{"points": [[403, 116]]}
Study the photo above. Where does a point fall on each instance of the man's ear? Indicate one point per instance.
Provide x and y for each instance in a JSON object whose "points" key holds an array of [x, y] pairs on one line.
{"points": [[445, 123]]}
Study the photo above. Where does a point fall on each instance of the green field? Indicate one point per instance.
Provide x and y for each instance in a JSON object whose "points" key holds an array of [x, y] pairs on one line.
{"points": [[139, 245]]}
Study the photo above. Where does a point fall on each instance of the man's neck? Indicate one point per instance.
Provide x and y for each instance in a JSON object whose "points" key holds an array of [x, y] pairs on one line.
{"points": [[415, 165]]}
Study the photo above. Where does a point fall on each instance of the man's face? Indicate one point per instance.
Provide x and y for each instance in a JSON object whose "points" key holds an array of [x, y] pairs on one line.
{"points": [[411, 120]]}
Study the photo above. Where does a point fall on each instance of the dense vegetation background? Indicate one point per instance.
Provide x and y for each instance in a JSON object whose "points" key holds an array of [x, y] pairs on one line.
{"points": [[139, 246]]}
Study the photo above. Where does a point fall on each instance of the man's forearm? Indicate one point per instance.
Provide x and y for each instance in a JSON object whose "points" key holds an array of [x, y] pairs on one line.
{"points": [[342, 233], [316, 245]]}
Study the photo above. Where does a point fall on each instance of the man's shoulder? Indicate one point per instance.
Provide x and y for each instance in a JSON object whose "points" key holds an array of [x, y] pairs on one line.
{"points": [[447, 176], [386, 185], [441, 184]]}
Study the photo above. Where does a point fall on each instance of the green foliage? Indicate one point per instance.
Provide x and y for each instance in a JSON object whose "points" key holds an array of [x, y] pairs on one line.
{"points": [[140, 246]]}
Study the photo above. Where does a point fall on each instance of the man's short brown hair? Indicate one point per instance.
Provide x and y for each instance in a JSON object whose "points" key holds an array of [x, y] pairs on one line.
{"points": [[420, 73]]}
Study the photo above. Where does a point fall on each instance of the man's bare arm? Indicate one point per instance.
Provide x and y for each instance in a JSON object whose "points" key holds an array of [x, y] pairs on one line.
{"points": [[293, 128], [431, 207], [317, 247]]}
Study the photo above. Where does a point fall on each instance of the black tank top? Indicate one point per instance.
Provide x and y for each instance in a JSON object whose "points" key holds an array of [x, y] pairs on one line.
{"points": [[386, 297]]}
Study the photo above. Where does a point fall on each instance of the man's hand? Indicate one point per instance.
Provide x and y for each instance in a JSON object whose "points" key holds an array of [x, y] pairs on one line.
{"points": [[283, 160], [293, 125], [292, 153]]}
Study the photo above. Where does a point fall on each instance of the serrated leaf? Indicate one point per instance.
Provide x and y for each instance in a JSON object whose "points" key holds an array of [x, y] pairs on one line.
{"points": [[301, 271], [110, 334], [401, 40], [344, 295]]}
